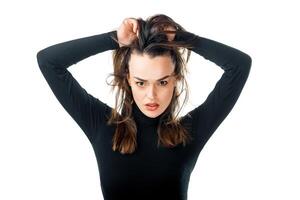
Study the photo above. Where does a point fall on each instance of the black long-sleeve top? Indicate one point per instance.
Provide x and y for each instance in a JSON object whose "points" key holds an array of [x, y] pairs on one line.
{"points": [[150, 172]]}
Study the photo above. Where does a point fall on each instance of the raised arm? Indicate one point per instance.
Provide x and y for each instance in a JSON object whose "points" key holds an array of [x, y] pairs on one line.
{"points": [[53, 62], [236, 65]]}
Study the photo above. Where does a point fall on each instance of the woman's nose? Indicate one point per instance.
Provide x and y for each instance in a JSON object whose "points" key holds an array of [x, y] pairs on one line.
{"points": [[151, 93]]}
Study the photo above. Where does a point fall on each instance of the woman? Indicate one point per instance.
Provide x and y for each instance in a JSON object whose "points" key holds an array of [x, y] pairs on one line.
{"points": [[143, 149]]}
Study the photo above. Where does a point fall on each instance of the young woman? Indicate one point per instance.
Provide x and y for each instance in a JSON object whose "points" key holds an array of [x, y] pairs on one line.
{"points": [[143, 149]]}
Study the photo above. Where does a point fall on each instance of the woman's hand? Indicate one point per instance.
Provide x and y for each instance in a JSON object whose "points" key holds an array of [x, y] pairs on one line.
{"points": [[128, 31], [170, 35]]}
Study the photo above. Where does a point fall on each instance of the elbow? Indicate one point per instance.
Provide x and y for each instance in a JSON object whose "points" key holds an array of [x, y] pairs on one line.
{"points": [[40, 57], [245, 63], [245, 66]]}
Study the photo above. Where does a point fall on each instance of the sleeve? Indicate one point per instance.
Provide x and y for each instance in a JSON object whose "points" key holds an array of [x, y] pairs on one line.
{"points": [[53, 62], [218, 104]]}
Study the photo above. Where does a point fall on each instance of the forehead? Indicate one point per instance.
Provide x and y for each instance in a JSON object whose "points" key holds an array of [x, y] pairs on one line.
{"points": [[144, 66]]}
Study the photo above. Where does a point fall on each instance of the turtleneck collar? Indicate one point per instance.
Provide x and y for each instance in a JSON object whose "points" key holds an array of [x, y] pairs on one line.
{"points": [[143, 119]]}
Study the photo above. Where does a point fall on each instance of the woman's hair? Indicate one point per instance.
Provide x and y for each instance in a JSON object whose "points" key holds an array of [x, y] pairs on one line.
{"points": [[152, 41]]}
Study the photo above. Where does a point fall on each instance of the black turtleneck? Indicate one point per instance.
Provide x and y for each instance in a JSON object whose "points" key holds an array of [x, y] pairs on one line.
{"points": [[151, 172]]}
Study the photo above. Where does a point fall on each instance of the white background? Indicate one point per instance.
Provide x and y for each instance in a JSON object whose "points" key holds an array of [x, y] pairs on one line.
{"points": [[254, 154]]}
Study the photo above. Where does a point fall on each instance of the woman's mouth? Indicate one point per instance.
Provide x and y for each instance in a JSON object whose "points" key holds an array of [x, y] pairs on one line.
{"points": [[151, 106]]}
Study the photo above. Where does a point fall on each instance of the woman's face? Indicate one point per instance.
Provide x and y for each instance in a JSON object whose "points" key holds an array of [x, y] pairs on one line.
{"points": [[152, 81]]}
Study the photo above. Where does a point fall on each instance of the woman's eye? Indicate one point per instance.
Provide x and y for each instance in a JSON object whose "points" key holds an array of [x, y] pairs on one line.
{"points": [[164, 82], [139, 83]]}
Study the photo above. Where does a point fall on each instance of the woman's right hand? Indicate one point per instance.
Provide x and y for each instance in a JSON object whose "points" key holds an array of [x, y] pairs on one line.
{"points": [[128, 31]]}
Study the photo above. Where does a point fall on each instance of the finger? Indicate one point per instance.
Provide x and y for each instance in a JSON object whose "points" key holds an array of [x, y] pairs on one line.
{"points": [[134, 27], [134, 24]]}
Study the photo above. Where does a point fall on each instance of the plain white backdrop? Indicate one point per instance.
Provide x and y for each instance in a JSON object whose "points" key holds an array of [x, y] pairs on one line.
{"points": [[254, 154]]}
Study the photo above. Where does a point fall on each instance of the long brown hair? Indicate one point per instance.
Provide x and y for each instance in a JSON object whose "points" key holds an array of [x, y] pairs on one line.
{"points": [[152, 41]]}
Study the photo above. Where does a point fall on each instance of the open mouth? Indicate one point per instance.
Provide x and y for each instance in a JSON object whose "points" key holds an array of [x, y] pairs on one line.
{"points": [[152, 106]]}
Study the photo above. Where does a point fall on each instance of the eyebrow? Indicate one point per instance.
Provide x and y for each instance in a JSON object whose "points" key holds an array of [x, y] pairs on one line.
{"points": [[157, 80]]}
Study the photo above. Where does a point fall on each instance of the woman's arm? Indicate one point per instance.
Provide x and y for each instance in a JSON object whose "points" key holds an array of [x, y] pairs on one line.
{"points": [[236, 65], [53, 62]]}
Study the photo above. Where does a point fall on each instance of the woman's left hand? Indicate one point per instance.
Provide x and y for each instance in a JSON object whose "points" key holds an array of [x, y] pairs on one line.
{"points": [[170, 36]]}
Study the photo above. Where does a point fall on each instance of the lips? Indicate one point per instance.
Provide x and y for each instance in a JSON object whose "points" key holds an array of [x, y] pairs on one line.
{"points": [[152, 104]]}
